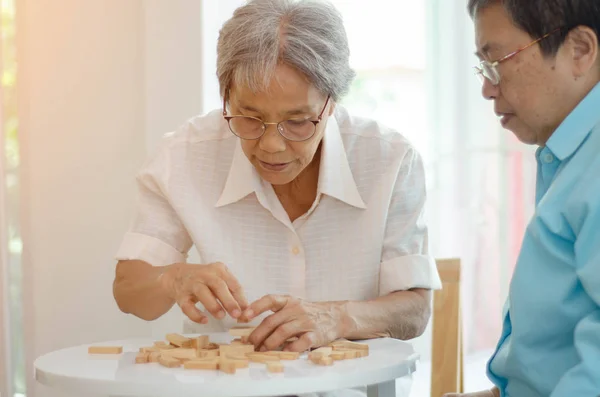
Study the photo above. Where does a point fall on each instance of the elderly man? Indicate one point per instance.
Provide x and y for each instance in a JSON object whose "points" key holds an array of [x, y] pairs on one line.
{"points": [[540, 64], [308, 221]]}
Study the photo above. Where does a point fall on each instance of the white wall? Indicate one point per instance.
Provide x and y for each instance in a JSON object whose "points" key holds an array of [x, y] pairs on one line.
{"points": [[83, 137]]}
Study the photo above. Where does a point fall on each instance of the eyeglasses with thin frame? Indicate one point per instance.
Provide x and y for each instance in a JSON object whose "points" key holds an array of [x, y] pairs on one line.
{"points": [[252, 128], [489, 70]]}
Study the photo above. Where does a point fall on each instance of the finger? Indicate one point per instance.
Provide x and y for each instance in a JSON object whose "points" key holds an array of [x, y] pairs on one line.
{"points": [[306, 341], [284, 332], [268, 302], [221, 291], [234, 285], [188, 307], [268, 326], [208, 300]]}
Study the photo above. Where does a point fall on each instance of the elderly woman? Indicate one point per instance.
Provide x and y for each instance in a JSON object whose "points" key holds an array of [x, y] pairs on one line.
{"points": [[308, 221]]}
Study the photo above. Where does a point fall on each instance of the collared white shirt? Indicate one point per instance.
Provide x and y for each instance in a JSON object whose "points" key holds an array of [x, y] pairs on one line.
{"points": [[363, 237]]}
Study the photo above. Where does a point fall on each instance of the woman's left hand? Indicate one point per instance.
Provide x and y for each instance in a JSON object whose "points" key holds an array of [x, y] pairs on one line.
{"points": [[313, 323]]}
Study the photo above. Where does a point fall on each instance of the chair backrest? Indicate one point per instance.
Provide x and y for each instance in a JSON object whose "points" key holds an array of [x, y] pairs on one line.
{"points": [[446, 349]]}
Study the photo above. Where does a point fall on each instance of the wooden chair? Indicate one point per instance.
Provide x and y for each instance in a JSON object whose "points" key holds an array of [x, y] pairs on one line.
{"points": [[446, 350]]}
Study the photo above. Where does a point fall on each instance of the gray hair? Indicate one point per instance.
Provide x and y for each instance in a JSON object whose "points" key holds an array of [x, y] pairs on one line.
{"points": [[308, 35]]}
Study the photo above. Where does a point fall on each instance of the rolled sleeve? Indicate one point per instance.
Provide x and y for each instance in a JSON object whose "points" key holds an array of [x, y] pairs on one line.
{"points": [[405, 261], [157, 234], [406, 272], [136, 246]]}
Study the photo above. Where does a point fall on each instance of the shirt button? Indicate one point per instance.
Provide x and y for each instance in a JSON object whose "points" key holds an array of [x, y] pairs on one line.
{"points": [[548, 158], [295, 250]]}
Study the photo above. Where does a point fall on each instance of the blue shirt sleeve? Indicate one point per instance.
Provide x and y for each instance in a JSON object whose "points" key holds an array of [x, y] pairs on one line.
{"points": [[583, 380]]}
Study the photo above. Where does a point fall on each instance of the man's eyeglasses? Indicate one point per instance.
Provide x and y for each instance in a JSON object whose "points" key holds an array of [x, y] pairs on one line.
{"points": [[251, 128], [489, 70]]}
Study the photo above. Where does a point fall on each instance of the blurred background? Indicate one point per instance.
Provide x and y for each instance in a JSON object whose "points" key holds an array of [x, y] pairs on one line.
{"points": [[88, 87]]}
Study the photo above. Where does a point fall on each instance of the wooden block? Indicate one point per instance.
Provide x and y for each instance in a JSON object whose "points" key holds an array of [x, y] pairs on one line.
{"points": [[235, 349], [201, 364], [181, 353], [239, 361], [349, 354], [345, 344], [227, 366], [261, 357], [320, 352], [337, 355], [142, 358], [169, 362], [241, 331], [362, 353], [179, 340], [200, 342], [148, 349], [327, 360], [207, 353], [211, 346], [153, 357], [284, 355], [105, 349], [274, 366], [160, 343], [164, 347]]}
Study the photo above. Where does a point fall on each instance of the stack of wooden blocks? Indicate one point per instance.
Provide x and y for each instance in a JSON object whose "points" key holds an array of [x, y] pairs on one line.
{"points": [[201, 354]]}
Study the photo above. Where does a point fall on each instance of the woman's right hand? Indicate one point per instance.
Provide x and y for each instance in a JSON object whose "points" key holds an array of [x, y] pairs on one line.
{"points": [[212, 285]]}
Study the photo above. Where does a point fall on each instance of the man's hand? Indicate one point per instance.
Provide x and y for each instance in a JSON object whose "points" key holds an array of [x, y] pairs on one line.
{"points": [[314, 323]]}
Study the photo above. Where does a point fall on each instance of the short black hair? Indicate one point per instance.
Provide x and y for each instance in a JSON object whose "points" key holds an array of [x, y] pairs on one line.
{"points": [[539, 17]]}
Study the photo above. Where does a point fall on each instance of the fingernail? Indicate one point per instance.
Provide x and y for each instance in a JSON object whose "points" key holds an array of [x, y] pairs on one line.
{"points": [[263, 349], [236, 313]]}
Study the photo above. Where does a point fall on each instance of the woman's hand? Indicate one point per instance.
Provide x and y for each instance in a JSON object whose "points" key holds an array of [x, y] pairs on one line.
{"points": [[313, 323], [213, 285]]}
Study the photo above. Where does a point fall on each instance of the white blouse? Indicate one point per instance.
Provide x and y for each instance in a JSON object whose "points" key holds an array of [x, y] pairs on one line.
{"points": [[363, 237]]}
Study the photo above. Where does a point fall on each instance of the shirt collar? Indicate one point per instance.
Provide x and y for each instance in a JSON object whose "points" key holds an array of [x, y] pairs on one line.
{"points": [[573, 131], [242, 180], [335, 176]]}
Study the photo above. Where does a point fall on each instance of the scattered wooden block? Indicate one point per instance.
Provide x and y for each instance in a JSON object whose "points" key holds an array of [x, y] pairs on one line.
{"points": [[142, 358], [346, 344], [179, 340], [284, 355], [165, 347], [261, 357], [148, 349], [239, 361], [181, 353], [337, 355], [274, 366], [200, 342], [105, 349], [211, 346], [362, 353], [241, 331], [208, 353], [227, 366], [159, 343], [153, 357], [169, 362], [327, 360], [349, 354], [202, 364], [320, 352]]}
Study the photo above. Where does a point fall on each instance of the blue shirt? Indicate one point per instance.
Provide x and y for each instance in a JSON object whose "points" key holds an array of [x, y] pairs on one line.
{"points": [[550, 343]]}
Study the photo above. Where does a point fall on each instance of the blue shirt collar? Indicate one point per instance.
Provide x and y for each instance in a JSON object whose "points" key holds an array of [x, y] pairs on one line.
{"points": [[573, 131]]}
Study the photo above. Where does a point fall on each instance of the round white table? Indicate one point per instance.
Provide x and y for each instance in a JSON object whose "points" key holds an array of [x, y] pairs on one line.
{"points": [[73, 370]]}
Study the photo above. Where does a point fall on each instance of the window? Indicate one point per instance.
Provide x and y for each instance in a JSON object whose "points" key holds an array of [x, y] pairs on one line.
{"points": [[10, 151]]}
